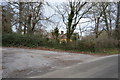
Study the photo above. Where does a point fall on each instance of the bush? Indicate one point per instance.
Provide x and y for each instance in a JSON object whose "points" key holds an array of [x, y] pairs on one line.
{"points": [[98, 44], [22, 40], [88, 43], [105, 42]]}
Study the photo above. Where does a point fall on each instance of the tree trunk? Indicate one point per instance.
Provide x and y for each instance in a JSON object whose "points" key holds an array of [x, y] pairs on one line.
{"points": [[96, 28], [118, 24], [20, 17], [68, 37]]}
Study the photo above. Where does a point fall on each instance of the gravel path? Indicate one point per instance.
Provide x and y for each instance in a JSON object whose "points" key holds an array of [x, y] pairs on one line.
{"points": [[21, 63], [0, 63]]}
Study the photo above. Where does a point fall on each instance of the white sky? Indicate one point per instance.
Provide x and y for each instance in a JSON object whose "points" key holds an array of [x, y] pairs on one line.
{"points": [[57, 1], [49, 11]]}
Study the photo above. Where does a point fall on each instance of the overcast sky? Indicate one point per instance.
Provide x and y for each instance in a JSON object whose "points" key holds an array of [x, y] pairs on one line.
{"points": [[49, 11]]}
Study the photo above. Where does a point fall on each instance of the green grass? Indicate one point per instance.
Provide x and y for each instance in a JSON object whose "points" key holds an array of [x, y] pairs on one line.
{"points": [[108, 51]]}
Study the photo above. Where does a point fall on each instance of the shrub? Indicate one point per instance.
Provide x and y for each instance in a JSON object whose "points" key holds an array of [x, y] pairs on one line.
{"points": [[86, 45], [22, 40], [98, 44], [105, 42]]}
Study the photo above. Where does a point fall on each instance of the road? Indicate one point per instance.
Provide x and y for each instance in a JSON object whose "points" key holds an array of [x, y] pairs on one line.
{"points": [[22, 63], [105, 67]]}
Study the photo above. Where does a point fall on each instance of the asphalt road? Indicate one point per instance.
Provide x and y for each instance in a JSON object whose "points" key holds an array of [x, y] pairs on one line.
{"points": [[105, 67]]}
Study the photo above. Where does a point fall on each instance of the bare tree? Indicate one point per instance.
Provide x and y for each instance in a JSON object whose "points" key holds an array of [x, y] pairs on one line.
{"points": [[108, 14], [7, 16], [72, 13], [97, 13], [103, 16], [29, 16]]}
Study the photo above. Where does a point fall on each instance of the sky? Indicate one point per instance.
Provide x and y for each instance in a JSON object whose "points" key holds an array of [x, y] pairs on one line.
{"points": [[49, 11], [57, 1]]}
